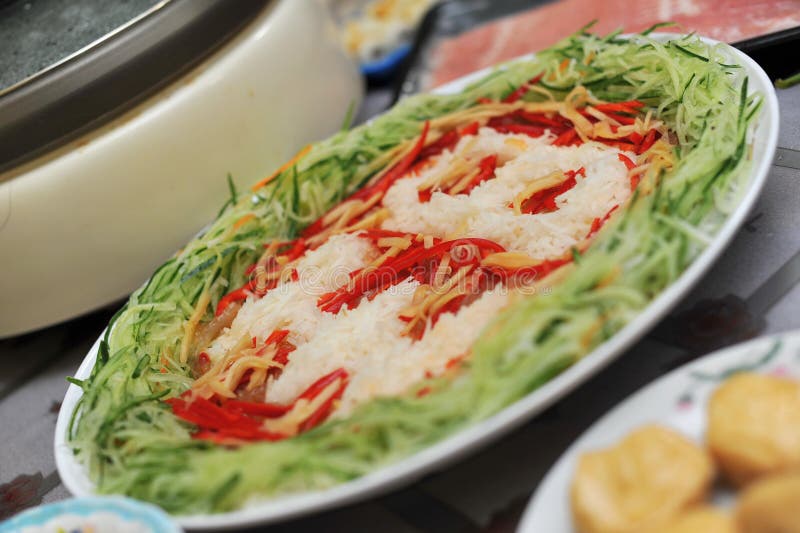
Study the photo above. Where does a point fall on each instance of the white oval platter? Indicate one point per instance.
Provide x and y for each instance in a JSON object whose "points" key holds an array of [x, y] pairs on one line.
{"points": [[458, 445]]}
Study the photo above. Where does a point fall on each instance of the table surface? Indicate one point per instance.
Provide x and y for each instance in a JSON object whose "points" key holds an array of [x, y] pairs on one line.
{"points": [[753, 290]]}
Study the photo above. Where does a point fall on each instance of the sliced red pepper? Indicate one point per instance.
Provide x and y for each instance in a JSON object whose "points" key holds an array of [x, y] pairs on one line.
{"points": [[296, 249], [276, 336], [630, 106], [598, 223], [522, 90], [234, 296], [424, 391], [487, 166], [375, 234], [635, 138], [445, 142], [207, 414], [267, 410], [324, 410], [648, 141], [453, 362], [469, 129], [528, 273], [619, 145], [380, 186], [397, 171], [394, 271], [622, 119], [627, 161], [566, 138], [522, 129], [424, 196], [544, 201], [234, 419], [318, 386], [542, 120]]}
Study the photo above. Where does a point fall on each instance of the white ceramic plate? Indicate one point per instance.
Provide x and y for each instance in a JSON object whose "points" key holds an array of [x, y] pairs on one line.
{"points": [[462, 443], [677, 400]]}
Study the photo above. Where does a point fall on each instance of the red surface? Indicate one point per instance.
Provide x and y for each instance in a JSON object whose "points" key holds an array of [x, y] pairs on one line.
{"points": [[726, 20]]}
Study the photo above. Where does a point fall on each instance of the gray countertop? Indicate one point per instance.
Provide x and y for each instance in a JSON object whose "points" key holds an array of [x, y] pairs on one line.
{"points": [[752, 290]]}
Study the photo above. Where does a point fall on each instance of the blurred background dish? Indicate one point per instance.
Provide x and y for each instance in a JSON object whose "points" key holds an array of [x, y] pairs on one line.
{"points": [[115, 154], [460, 36], [683, 402], [379, 33], [92, 515]]}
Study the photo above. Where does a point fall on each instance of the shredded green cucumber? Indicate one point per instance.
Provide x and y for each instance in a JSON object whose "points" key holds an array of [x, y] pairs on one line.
{"points": [[132, 443]]}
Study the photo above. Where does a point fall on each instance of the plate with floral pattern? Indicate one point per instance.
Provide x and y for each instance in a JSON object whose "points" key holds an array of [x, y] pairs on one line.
{"points": [[676, 400]]}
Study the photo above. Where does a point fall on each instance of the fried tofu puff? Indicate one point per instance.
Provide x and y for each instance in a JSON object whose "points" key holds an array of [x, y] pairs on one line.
{"points": [[646, 479], [699, 520], [771, 505], [754, 426]]}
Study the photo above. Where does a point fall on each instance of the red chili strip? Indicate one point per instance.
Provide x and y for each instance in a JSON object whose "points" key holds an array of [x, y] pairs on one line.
{"points": [[566, 138], [544, 201], [324, 410], [622, 119], [296, 249], [619, 145], [522, 90], [502, 120], [237, 420], [267, 410], [598, 223], [630, 106], [375, 234], [635, 138], [627, 161], [487, 166], [277, 336], [529, 273], [445, 142], [380, 186], [234, 296], [523, 129], [394, 271], [541, 119], [397, 171], [318, 386], [648, 141]]}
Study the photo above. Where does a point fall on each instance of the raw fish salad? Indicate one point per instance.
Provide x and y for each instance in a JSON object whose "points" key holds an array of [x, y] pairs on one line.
{"points": [[402, 280]]}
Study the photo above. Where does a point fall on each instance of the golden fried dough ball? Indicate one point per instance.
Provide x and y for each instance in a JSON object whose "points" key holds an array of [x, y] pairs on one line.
{"points": [[699, 520], [771, 505], [754, 426], [647, 478]]}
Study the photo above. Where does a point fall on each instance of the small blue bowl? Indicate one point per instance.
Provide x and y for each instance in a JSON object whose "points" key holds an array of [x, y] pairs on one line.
{"points": [[383, 68], [125, 508]]}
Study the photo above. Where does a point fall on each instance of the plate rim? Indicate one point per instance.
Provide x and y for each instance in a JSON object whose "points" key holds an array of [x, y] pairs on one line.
{"points": [[462, 443], [526, 523]]}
